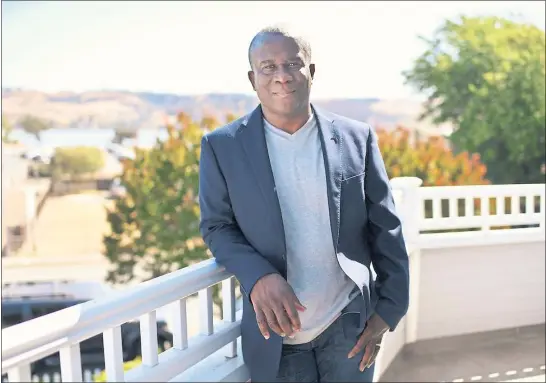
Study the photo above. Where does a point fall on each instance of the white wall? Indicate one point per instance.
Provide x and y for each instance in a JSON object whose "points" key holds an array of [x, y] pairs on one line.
{"points": [[480, 288]]}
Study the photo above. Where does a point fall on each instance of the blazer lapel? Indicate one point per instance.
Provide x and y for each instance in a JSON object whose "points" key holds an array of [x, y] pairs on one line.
{"points": [[252, 138], [331, 151]]}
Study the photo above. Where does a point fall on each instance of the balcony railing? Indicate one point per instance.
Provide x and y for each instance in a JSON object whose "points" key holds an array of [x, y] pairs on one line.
{"points": [[464, 267]]}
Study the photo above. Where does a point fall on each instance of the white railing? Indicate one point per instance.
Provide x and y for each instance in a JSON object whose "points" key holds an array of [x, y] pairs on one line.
{"points": [[482, 207], [64, 330], [88, 376], [214, 355], [480, 213]]}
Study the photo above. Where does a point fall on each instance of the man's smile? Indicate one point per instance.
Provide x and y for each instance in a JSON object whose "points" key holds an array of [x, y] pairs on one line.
{"points": [[284, 94]]}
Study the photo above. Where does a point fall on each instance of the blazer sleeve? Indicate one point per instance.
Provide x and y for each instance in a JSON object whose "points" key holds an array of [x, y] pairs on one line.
{"points": [[219, 228], [388, 248]]}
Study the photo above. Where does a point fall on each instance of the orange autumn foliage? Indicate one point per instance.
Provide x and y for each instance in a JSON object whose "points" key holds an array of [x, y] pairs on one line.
{"points": [[430, 159]]}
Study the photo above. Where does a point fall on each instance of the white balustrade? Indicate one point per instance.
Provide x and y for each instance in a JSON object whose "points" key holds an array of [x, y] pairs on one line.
{"points": [[462, 202], [452, 208], [180, 337], [480, 214], [63, 330], [113, 354], [88, 377]]}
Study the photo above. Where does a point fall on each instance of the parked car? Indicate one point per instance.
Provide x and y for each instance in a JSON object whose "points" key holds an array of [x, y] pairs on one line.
{"points": [[28, 300]]}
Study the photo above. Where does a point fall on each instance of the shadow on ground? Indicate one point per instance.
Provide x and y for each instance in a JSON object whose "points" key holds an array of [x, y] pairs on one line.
{"points": [[496, 356]]}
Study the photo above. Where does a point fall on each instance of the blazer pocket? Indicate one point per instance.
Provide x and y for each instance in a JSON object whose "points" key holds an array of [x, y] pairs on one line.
{"points": [[353, 177], [353, 195]]}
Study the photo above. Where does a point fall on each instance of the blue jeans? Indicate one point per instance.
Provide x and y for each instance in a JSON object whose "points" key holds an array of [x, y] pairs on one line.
{"points": [[324, 359]]}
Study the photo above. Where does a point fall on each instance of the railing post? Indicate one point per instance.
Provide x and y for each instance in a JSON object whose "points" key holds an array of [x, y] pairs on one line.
{"points": [[408, 202], [409, 207], [228, 303]]}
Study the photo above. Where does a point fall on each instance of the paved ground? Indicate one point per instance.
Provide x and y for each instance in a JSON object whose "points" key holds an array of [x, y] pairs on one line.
{"points": [[71, 225], [538, 378], [500, 356], [90, 267]]}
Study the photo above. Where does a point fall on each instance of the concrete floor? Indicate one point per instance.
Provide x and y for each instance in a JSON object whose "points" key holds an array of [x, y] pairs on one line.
{"points": [[538, 378], [499, 356]]}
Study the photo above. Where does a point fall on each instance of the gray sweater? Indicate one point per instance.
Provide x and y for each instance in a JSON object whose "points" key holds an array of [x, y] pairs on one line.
{"points": [[313, 268]]}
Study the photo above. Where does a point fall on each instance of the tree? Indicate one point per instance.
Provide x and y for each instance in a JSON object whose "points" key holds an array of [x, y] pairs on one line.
{"points": [[76, 162], [487, 77], [155, 226], [34, 125], [7, 128], [430, 159]]}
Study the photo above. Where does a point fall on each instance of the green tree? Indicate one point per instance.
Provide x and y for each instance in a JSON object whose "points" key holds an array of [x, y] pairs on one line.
{"points": [[487, 77], [34, 125], [155, 226], [76, 162], [7, 128]]}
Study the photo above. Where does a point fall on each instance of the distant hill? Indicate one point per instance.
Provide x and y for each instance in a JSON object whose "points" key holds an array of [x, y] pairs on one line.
{"points": [[136, 110]]}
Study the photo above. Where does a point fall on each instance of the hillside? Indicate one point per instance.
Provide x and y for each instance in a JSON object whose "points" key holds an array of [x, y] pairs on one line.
{"points": [[134, 110]]}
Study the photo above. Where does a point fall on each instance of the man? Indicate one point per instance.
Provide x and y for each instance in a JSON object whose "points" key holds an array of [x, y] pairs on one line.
{"points": [[296, 203]]}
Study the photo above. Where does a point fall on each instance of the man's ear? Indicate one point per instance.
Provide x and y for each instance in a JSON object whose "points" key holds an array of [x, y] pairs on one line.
{"points": [[251, 79], [312, 70]]}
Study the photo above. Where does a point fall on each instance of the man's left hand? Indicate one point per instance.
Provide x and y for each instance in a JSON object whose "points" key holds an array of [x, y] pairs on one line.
{"points": [[370, 341]]}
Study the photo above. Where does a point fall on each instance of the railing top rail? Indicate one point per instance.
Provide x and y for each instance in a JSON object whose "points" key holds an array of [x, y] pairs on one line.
{"points": [[31, 340], [518, 187], [481, 191]]}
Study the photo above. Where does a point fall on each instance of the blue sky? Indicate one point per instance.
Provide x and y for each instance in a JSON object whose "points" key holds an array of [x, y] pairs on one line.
{"points": [[360, 48]]}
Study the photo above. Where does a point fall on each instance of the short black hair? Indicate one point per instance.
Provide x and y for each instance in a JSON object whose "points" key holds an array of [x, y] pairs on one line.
{"points": [[259, 38]]}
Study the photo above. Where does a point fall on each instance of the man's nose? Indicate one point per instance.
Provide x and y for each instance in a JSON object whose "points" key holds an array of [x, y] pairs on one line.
{"points": [[283, 75]]}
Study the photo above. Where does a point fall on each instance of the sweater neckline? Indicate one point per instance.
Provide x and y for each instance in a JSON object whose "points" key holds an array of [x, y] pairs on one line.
{"points": [[298, 135]]}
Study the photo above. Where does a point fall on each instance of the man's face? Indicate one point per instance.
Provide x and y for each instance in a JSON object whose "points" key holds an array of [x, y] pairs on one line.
{"points": [[281, 76]]}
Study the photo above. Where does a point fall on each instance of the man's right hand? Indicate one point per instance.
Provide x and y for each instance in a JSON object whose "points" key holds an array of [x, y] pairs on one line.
{"points": [[276, 306]]}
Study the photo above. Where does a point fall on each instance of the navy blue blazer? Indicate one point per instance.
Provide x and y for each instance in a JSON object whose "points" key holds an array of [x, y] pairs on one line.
{"points": [[241, 219]]}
